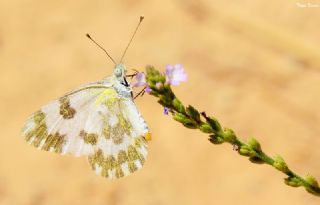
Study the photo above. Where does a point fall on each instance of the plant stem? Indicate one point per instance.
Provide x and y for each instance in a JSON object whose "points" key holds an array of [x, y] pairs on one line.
{"points": [[193, 119]]}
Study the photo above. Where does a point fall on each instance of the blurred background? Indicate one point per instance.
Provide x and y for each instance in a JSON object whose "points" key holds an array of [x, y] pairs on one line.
{"points": [[255, 65]]}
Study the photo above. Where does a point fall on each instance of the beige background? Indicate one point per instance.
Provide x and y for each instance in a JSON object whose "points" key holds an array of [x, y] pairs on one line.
{"points": [[255, 65]]}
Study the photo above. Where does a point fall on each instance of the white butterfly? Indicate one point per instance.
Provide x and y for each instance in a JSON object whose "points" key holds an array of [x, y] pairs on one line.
{"points": [[98, 120]]}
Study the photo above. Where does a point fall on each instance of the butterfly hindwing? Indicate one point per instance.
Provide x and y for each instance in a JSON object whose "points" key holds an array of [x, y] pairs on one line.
{"points": [[122, 148]]}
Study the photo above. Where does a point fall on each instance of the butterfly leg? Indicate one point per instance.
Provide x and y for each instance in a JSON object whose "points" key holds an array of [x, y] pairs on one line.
{"points": [[141, 93], [134, 74]]}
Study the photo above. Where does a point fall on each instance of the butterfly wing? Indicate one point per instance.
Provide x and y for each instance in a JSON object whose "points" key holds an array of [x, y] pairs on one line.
{"points": [[95, 121], [121, 148], [55, 127]]}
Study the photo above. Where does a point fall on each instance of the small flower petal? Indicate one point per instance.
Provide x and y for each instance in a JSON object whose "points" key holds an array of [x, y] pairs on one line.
{"points": [[158, 84], [139, 80], [165, 110], [148, 89], [175, 74]]}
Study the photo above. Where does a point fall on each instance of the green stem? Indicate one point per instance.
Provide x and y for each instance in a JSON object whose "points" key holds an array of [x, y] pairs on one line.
{"points": [[193, 119], [266, 158]]}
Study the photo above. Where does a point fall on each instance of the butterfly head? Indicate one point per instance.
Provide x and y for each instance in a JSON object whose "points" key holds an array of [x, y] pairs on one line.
{"points": [[119, 71]]}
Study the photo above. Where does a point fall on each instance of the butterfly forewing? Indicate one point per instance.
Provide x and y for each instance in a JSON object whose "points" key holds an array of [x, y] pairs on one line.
{"points": [[94, 121], [56, 125]]}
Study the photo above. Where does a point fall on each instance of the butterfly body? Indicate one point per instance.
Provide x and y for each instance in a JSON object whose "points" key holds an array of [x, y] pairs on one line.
{"points": [[98, 120]]}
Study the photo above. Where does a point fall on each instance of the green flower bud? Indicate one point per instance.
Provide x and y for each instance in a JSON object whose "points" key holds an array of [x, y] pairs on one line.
{"points": [[193, 113], [178, 106], [151, 71], [312, 181], [153, 76], [190, 124], [185, 121], [213, 123], [246, 151], [180, 117], [254, 144], [164, 101], [280, 164], [292, 181], [229, 135], [256, 160], [314, 188], [215, 139], [160, 79], [206, 128]]}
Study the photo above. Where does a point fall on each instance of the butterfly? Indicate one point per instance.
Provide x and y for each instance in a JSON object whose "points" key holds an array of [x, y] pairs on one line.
{"points": [[99, 120]]}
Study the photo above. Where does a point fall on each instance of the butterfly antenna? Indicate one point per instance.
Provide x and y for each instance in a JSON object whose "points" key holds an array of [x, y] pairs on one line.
{"points": [[101, 48], [134, 33]]}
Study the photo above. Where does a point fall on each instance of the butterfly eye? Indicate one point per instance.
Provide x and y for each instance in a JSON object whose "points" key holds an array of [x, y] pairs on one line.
{"points": [[118, 72]]}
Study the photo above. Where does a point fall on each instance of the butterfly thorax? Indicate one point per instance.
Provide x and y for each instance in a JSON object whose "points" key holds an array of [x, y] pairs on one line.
{"points": [[122, 90], [119, 82]]}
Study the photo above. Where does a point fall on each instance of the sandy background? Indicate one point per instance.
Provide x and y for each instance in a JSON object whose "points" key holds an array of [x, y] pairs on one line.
{"points": [[255, 66]]}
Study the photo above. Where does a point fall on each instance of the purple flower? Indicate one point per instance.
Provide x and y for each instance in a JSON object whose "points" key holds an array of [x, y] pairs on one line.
{"points": [[175, 74], [158, 84], [148, 89], [139, 80], [165, 110]]}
